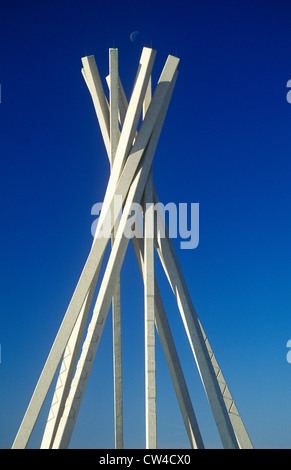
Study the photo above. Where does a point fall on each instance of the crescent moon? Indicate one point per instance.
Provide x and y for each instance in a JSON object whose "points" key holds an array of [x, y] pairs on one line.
{"points": [[133, 35]]}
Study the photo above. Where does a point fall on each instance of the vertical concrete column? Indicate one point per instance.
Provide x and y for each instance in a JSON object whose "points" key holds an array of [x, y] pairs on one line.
{"points": [[149, 298], [116, 305], [149, 303]]}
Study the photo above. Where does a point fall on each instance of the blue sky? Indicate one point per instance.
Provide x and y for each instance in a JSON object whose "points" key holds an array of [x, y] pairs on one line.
{"points": [[225, 144]]}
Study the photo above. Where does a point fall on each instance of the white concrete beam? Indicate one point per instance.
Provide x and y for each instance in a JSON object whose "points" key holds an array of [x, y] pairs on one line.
{"points": [[149, 301], [172, 358], [169, 259], [162, 324], [239, 428], [67, 370], [236, 420], [92, 78], [91, 265], [107, 287], [116, 304], [120, 180]]}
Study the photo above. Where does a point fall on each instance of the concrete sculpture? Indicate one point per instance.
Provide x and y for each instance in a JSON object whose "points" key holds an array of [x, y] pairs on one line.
{"points": [[130, 154]]}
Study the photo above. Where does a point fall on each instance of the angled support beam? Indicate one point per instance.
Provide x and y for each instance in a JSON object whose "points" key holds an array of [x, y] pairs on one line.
{"points": [[128, 132], [124, 169], [110, 132], [108, 284], [239, 428], [221, 408], [56, 354], [172, 358], [235, 418], [92, 78], [162, 324], [240, 431], [96, 253], [161, 320], [67, 370]]}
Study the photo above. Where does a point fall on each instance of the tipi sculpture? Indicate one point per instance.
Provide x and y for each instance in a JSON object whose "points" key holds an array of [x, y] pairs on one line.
{"points": [[130, 152]]}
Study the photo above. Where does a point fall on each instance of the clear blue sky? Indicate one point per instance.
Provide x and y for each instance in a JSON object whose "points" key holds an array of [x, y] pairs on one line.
{"points": [[226, 144]]}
